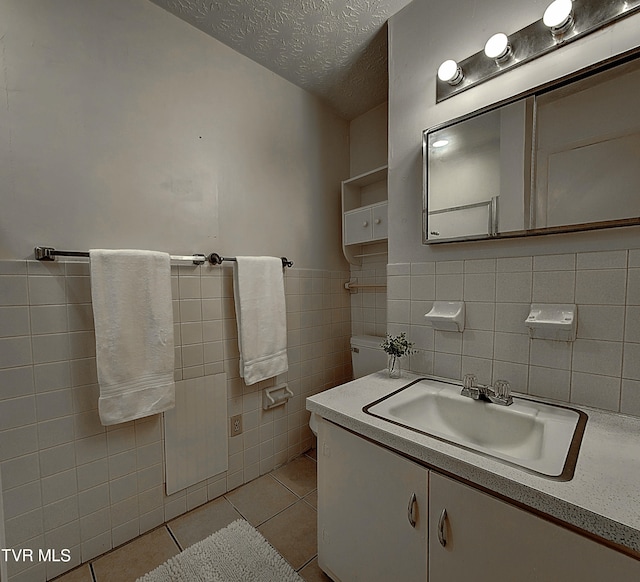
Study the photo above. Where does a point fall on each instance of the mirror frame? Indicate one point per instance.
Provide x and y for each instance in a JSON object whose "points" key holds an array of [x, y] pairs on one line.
{"points": [[584, 73]]}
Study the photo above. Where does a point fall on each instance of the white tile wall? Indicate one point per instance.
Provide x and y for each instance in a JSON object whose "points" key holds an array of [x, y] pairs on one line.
{"points": [[369, 306], [600, 369], [68, 481]]}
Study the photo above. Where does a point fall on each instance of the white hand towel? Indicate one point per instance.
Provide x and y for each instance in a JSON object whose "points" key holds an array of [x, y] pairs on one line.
{"points": [[258, 288], [133, 316]]}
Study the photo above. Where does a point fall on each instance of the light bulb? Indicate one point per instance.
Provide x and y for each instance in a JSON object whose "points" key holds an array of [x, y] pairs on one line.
{"points": [[450, 72], [440, 143], [559, 16], [498, 47]]}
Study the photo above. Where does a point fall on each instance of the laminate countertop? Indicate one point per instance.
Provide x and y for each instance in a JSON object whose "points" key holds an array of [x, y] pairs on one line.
{"points": [[602, 499]]}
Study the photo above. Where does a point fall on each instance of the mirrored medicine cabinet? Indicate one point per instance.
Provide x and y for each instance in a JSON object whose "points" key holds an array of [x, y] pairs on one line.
{"points": [[563, 158]]}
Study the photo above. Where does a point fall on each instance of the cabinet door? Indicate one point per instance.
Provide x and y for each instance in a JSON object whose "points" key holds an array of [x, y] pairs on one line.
{"points": [[365, 504], [490, 540], [379, 219], [357, 226]]}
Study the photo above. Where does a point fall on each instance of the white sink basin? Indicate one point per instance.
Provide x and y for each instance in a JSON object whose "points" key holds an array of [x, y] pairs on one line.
{"points": [[532, 435]]}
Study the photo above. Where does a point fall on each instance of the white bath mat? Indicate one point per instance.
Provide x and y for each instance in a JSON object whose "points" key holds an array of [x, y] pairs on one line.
{"points": [[236, 553]]}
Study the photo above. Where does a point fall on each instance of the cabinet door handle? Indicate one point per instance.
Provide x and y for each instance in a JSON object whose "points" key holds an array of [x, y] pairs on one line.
{"points": [[365, 224], [378, 220], [410, 510], [442, 537]]}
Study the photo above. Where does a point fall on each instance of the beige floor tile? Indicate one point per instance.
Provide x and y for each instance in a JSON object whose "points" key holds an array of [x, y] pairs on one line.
{"points": [[261, 499], [293, 533], [299, 475], [312, 572], [312, 453], [136, 558], [81, 574], [200, 523]]}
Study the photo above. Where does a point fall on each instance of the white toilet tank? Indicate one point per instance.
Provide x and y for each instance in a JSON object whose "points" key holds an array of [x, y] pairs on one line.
{"points": [[366, 355]]}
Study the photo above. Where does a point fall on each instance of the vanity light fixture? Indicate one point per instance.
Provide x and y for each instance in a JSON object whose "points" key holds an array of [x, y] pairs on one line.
{"points": [[563, 22], [559, 16], [498, 47], [450, 72]]}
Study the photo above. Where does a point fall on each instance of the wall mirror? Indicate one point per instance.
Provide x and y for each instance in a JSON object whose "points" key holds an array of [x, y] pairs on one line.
{"points": [[563, 158]]}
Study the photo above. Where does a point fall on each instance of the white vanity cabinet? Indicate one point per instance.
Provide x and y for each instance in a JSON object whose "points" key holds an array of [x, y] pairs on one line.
{"points": [[372, 510], [380, 518], [487, 539]]}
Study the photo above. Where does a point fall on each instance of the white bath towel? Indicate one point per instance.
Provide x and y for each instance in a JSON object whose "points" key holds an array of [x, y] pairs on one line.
{"points": [[133, 316], [258, 288]]}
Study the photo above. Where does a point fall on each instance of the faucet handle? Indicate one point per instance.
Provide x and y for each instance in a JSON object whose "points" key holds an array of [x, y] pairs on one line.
{"points": [[502, 389], [470, 381]]}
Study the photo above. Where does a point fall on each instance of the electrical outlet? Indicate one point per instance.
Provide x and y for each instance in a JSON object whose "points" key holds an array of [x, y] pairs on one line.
{"points": [[236, 425]]}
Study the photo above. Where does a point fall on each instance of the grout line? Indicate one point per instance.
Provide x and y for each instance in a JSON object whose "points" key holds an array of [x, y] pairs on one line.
{"points": [[272, 475], [625, 312], [270, 517], [311, 559], [304, 499], [277, 513], [298, 500], [173, 537], [301, 497]]}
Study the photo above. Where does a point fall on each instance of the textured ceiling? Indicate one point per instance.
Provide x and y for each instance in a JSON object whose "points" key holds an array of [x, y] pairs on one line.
{"points": [[336, 49]]}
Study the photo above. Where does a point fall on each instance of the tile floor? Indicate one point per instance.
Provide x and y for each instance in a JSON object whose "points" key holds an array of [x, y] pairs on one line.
{"points": [[281, 505]]}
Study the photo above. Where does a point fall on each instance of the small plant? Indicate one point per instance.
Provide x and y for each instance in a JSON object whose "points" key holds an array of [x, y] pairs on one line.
{"points": [[397, 345]]}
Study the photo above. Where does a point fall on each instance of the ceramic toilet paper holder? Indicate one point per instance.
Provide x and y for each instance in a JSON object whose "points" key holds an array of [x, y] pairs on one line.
{"points": [[275, 396]]}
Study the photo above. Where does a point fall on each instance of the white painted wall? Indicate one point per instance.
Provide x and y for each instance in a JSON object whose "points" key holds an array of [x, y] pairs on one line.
{"points": [[121, 126], [368, 138], [423, 35]]}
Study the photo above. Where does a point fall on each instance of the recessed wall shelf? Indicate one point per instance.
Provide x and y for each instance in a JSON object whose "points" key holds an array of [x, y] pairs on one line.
{"points": [[364, 214]]}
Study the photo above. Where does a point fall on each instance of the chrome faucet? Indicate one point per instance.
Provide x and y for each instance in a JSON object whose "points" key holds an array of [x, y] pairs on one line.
{"points": [[499, 393]]}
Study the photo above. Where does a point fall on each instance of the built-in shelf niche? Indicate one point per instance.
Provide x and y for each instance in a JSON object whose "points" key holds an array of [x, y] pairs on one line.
{"points": [[364, 215]]}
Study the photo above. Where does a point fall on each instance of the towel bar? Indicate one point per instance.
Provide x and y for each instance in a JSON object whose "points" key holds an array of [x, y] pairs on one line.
{"points": [[49, 254], [216, 259]]}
